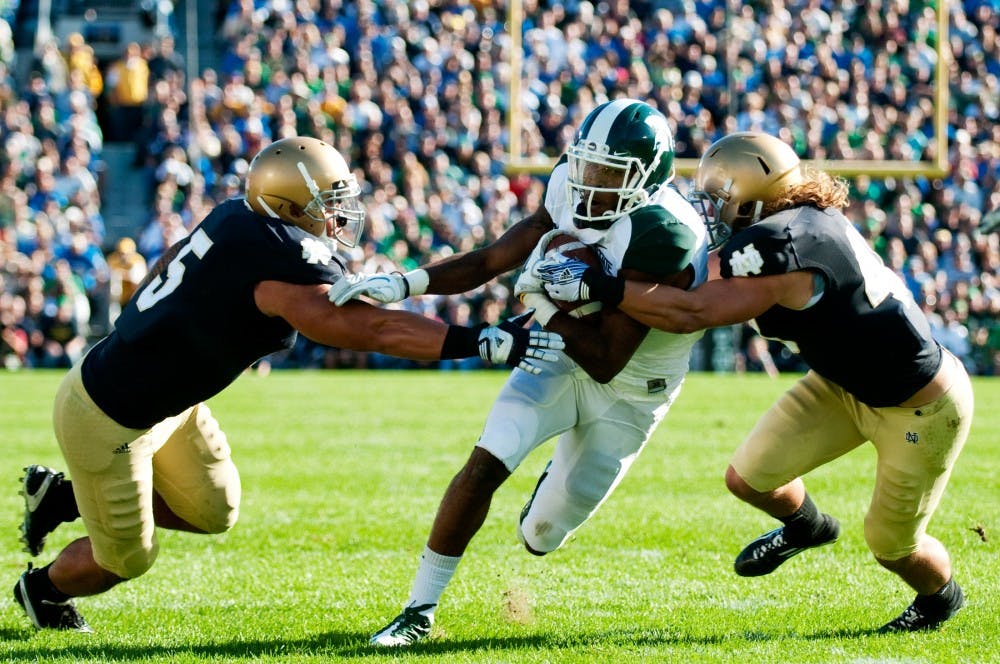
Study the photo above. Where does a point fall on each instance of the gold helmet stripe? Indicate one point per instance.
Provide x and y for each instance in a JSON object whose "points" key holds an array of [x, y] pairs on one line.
{"points": [[310, 182]]}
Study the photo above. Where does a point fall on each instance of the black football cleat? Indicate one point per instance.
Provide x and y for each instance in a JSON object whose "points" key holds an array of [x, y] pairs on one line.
{"points": [[43, 489], [45, 614], [766, 553], [926, 613], [410, 626]]}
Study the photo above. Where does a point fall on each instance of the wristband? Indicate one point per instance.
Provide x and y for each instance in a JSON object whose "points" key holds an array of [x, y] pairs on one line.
{"points": [[460, 342], [406, 284], [609, 290], [544, 309], [417, 282]]}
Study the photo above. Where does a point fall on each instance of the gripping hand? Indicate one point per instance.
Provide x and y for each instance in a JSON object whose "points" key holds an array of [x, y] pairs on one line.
{"points": [[511, 344], [528, 281], [563, 278], [384, 288]]}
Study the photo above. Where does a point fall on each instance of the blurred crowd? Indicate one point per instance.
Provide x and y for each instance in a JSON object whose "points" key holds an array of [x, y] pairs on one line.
{"points": [[416, 95]]}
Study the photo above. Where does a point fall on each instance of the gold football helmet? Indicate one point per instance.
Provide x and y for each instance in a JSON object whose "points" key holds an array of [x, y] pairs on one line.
{"points": [[737, 175], [306, 182]]}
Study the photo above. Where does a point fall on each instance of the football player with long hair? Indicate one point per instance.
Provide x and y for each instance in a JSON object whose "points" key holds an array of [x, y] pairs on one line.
{"points": [[792, 263], [140, 444], [617, 379]]}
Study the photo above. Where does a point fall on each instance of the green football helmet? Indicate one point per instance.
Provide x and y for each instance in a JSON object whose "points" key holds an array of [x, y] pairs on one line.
{"points": [[622, 154]]}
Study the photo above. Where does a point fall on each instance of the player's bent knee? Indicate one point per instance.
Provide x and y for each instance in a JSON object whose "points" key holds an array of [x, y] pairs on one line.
{"points": [[540, 536], [524, 542], [734, 482], [216, 509], [483, 471], [220, 509], [137, 564], [221, 521], [888, 544], [131, 564]]}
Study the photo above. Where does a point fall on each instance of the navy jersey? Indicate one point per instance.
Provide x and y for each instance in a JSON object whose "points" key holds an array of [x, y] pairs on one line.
{"points": [[194, 326], [865, 333]]}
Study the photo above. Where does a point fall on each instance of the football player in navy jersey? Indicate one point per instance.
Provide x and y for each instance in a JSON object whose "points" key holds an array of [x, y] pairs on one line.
{"points": [[142, 448], [616, 381], [792, 263]]}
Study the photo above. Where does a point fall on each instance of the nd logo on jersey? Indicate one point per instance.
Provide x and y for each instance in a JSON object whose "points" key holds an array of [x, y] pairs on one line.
{"points": [[747, 261], [314, 251]]}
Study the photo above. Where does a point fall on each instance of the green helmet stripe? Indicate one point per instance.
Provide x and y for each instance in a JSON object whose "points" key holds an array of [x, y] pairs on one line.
{"points": [[606, 120], [625, 116]]}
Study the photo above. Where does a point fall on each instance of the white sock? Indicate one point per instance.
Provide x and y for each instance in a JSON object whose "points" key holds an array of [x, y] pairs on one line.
{"points": [[433, 575]]}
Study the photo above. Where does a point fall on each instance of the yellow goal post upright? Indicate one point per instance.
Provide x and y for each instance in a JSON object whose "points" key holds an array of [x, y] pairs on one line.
{"points": [[844, 167]]}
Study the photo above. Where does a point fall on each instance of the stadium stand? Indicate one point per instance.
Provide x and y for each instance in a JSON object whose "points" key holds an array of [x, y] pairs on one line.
{"points": [[417, 95]]}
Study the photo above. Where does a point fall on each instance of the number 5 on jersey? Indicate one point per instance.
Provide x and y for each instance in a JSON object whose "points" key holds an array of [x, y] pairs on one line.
{"points": [[159, 288]]}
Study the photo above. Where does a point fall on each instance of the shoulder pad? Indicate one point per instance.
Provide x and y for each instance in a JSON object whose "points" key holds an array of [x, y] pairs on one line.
{"points": [[563, 161], [660, 245], [762, 249]]}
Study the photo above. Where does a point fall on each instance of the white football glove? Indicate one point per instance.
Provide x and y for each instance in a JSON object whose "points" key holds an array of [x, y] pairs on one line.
{"points": [[563, 278], [528, 281], [381, 287], [509, 343]]}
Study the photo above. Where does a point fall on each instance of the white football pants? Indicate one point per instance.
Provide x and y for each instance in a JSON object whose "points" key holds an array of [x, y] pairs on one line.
{"points": [[601, 431]]}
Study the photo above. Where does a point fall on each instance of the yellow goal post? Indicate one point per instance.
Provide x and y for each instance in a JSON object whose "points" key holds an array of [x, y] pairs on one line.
{"points": [[845, 167]]}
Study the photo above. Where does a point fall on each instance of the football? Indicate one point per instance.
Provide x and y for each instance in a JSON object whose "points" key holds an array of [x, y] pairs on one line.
{"points": [[572, 247]]}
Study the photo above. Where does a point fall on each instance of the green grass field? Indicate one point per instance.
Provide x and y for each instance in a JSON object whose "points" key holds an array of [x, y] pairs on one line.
{"points": [[342, 473]]}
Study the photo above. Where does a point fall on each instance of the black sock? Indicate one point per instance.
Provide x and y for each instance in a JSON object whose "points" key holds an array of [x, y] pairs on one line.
{"points": [[943, 600], [66, 503], [804, 524], [40, 585]]}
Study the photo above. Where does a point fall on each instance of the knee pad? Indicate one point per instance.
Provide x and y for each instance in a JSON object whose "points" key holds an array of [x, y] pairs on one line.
{"points": [[562, 503], [524, 542], [887, 542], [222, 501], [138, 562], [542, 539], [213, 509], [540, 536], [221, 520], [895, 521], [128, 560], [197, 477], [124, 540]]}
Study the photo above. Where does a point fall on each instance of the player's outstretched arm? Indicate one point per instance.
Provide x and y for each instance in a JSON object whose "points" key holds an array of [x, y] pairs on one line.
{"points": [[361, 326], [455, 274], [714, 303], [381, 287]]}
